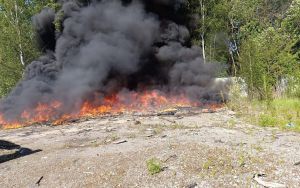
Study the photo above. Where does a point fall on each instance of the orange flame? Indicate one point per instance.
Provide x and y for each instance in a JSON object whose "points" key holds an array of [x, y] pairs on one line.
{"points": [[118, 103]]}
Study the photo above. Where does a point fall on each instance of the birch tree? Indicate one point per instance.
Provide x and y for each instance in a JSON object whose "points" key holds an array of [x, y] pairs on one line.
{"points": [[17, 39], [203, 27]]}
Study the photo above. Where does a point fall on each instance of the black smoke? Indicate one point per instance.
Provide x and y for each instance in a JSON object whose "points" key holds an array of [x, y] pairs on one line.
{"points": [[106, 46]]}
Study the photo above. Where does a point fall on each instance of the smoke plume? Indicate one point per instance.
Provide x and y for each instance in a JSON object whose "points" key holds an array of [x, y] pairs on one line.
{"points": [[107, 46]]}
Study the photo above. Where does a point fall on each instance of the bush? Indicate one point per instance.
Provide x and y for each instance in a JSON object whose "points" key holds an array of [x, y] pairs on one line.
{"points": [[265, 59]]}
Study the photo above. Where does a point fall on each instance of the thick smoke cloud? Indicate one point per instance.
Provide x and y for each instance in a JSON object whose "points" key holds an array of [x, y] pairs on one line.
{"points": [[107, 46]]}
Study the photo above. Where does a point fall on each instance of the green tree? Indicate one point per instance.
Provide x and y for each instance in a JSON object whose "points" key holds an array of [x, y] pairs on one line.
{"points": [[17, 39], [212, 28], [264, 60]]}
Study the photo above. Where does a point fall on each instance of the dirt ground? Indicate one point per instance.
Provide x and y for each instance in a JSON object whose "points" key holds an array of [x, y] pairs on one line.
{"points": [[194, 149]]}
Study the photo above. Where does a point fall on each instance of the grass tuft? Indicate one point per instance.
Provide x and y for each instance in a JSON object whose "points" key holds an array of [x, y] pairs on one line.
{"points": [[154, 166]]}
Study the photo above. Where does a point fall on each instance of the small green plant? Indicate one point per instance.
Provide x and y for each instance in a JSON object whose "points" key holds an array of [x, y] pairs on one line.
{"points": [[207, 165], [257, 147], [231, 123], [242, 160], [267, 120], [154, 166]]}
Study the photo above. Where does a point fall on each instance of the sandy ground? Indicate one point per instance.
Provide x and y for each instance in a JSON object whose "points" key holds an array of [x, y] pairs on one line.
{"points": [[194, 149]]}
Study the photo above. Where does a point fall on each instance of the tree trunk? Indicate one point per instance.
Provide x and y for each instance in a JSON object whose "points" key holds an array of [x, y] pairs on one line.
{"points": [[203, 30], [203, 48], [21, 54]]}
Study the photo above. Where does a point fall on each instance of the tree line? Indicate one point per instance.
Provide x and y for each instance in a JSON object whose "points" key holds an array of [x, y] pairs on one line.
{"points": [[258, 40]]}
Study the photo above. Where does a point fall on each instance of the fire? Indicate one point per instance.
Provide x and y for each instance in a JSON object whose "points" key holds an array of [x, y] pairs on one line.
{"points": [[114, 104]]}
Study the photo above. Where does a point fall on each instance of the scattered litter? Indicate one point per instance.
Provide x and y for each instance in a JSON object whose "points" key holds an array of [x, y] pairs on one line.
{"points": [[290, 125], [120, 142], [39, 181], [110, 129], [170, 157], [231, 113], [170, 112], [171, 121], [206, 110], [257, 178], [164, 136], [149, 135], [297, 163], [88, 173], [192, 185], [219, 141], [137, 122]]}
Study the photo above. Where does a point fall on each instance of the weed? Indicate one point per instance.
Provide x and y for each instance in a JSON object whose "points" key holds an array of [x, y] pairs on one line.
{"points": [[207, 164], [241, 160], [266, 120], [154, 166], [231, 123], [114, 137], [257, 147]]}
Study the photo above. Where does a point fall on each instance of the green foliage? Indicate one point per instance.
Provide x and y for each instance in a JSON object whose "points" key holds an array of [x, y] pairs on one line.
{"points": [[212, 27], [291, 21], [17, 39], [265, 59], [267, 120], [265, 34], [154, 166]]}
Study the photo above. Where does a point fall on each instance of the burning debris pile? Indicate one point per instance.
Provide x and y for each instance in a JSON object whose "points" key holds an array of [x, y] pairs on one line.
{"points": [[110, 56]]}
